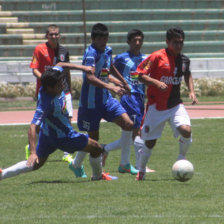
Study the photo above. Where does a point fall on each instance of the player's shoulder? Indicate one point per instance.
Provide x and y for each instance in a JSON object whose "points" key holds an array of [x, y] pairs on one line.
{"points": [[41, 46], [184, 58], [122, 56], [61, 47]]}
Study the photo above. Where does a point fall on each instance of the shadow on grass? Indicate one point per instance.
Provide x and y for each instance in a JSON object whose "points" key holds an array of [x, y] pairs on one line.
{"points": [[59, 182]]}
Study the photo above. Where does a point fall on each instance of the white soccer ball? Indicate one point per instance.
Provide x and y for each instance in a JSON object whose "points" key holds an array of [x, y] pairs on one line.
{"points": [[183, 170]]}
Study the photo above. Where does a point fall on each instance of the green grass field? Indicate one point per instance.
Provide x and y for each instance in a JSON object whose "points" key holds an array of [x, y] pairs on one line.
{"points": [[53, 195]]}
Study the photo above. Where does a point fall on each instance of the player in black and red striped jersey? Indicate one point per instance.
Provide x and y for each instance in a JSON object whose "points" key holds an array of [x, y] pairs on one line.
{"points": [[162, 71]]}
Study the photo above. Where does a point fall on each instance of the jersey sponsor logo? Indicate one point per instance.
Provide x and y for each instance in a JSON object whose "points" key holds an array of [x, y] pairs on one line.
{"points": [[104, 75], [62, 57], [171, 80], [146, 129]]}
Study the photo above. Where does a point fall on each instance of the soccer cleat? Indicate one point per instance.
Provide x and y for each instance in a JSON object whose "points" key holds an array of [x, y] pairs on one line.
{"points": [[79, 171], [27, 151], [106, 176], [0, 173], [140, 176], [148, 170], [67, 158], [128, 168]]}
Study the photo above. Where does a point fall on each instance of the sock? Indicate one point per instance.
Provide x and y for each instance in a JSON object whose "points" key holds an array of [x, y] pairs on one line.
{"points": [[126, 139], [113, 145], [138, 145], [145, 154], [16, 169], [184, 144], [66, 153], [96, 167], [79, 159]]}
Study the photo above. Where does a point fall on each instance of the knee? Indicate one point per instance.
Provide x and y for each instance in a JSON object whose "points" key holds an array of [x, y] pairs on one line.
{"points": [[150, 143], [128, 125], [185, 131]]}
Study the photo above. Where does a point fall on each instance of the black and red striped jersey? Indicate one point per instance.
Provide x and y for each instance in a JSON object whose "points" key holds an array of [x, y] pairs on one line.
{"points": [[164, 67]]}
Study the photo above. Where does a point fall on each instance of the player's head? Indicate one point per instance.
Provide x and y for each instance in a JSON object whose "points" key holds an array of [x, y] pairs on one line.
{"points": [[99, 36], [175, 40], [135, 39], [53, 35], [51, 80]]}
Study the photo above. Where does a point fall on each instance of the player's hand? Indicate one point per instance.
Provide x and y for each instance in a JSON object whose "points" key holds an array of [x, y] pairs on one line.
{"points": [[118, 90], [162, 86], [32, 160], [127, 88], [193, 97]]}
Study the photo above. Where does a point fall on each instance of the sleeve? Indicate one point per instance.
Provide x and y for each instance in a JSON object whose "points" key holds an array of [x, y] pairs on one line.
{"points": [[39, 113], [35, 59], [147, 66], [89, 59], [67, 59], [118, 63]]}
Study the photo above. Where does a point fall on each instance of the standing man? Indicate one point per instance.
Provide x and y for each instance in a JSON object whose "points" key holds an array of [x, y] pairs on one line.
{"points": [[96, 102], [126, 63], [47, 55], [56, 131], [162, 71]]}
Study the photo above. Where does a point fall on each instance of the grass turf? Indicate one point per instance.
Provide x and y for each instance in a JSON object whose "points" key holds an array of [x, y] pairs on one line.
{"points": [[53, 195]]}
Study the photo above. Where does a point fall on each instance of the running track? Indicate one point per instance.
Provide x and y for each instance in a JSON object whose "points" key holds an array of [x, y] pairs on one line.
{"points": [[195, 112]]}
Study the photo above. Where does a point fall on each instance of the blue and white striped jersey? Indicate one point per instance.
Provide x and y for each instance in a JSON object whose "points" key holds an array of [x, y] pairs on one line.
{"points": [[92, 96], [52, 115], [127, 63]]}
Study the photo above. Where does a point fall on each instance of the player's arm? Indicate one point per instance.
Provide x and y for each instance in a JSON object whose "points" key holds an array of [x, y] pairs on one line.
{"points": [[93, 80], [116, 81], [147, 80], [189, 82], [36, 73], [122, 80], [33, 158], [87, 69]]}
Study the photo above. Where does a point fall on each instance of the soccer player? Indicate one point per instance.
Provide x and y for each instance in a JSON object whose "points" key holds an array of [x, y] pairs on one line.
{"points": [[162, 71], [96, 102], [126, 63], [47, 55], [56, 131]]}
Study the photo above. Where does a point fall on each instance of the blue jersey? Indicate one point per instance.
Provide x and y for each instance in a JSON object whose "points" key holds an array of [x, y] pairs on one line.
{"points": [[127, 63], [92, 96], [52, 115]]}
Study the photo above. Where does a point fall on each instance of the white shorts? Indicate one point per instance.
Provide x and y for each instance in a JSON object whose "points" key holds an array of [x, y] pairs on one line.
{"points": [[155, 120], [68, 101]]}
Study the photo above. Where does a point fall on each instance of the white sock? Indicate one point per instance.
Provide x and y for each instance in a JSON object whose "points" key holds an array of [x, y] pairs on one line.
{"points": [[126, 139], [79, 159], [113, 145], [138, 144], [145, 154], [66, 153], [184, 144], [16, 169], [96, 167]]}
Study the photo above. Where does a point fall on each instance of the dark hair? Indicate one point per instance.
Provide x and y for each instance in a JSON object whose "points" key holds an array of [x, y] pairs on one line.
{"points": [[175, 32], [51, 76], [99, 29], [133, 33], [51, 26]]}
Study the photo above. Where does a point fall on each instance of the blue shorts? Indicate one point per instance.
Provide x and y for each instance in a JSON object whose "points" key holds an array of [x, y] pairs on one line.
{"points": [[75, 141], [134, 105], [89, 119]]}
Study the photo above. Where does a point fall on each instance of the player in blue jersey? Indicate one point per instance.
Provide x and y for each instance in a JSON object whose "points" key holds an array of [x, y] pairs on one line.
{"points": [[126, 63], [56, 131], [96, 102]]}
